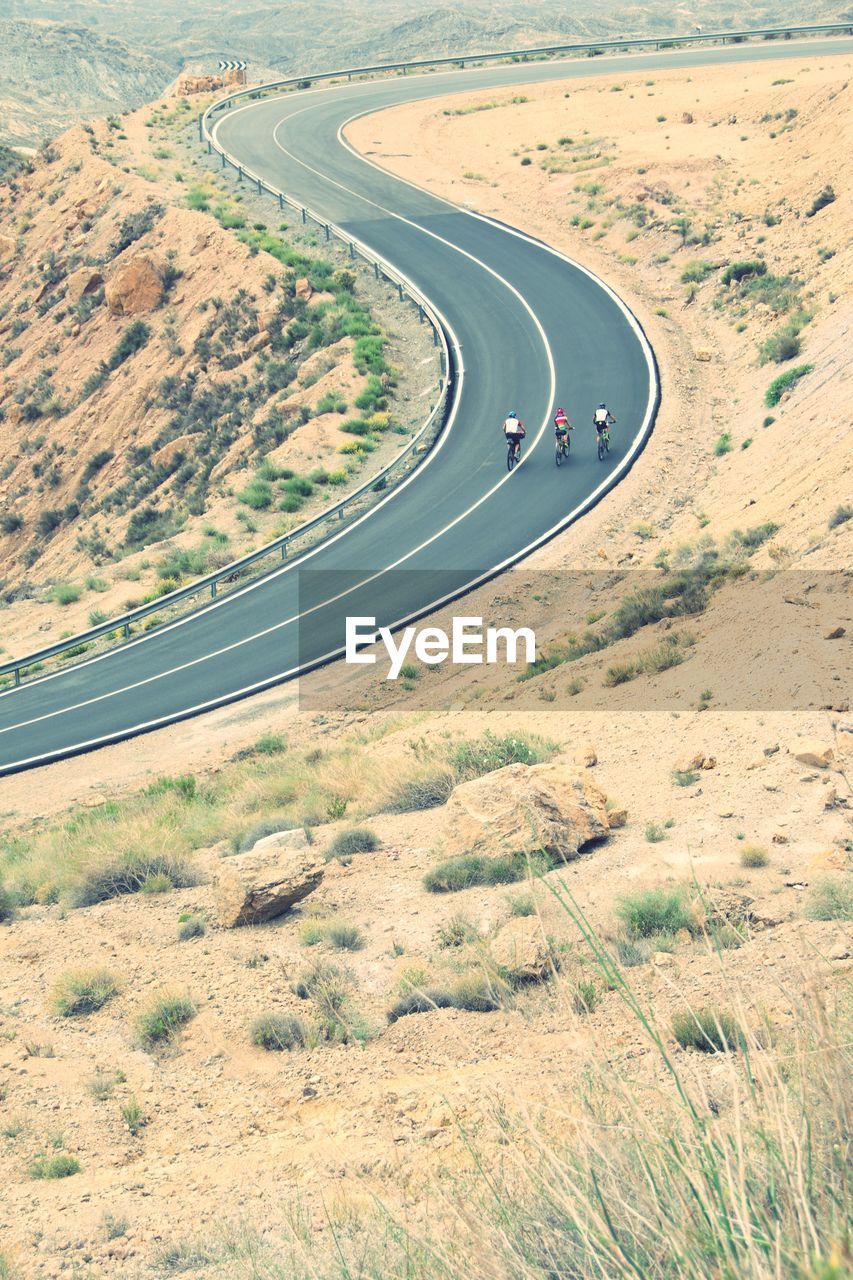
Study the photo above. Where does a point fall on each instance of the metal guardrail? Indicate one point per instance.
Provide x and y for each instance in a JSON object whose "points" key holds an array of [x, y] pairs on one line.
{"points": [[382, 268]]}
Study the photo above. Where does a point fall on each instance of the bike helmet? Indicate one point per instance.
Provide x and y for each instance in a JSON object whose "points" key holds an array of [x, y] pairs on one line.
{"points": [[512, 414], [602, 405]]}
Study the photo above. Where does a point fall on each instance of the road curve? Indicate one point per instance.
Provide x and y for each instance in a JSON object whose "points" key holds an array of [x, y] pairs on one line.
{"points": [[528, 329]]}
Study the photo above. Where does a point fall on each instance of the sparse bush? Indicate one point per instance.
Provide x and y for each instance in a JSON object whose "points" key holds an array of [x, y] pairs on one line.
{"points": [[271, 744], [785, 382], [347, 843], [708, 1030], [83, 991], [193, 927], [821, 200], [467, 870], [737, 271], [478, 756], [840, 515], [780, 346], [455, 932], [58, 1166], [158, 883], [133, 1116], [163, 1017], [66, 593], [654, 911], [521, 904], [585, 997], [629, 953], [128, 874], [754, 855], [420, 1002], [475, 993], [277, 1031], [344, 937], [654, 832], [695, 272], [723, 444], [425, 792], [830, 900], [266, 827], [685, 777]]}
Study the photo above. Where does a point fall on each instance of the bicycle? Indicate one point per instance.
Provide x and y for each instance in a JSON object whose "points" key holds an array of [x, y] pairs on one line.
{"points": [[603, 442], [563, 445], [513, 453]]}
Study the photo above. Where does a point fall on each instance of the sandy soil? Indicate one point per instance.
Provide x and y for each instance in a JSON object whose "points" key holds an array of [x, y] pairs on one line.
{"points": [[346, 1122]]}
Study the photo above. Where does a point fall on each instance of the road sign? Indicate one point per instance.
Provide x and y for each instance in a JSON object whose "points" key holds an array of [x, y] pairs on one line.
{"points": [[226, 65]]}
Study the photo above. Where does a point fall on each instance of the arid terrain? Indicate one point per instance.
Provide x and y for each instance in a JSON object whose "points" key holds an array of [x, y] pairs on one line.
{"points": [[184, 375], [582, 936]]}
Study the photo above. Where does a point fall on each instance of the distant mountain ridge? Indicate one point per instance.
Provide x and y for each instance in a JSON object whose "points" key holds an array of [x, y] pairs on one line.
{"points": [[82, 58]]}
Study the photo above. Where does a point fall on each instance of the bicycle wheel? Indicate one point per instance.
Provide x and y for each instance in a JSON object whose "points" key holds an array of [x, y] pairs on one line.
{"points": [[601, 448], [559, 456], [510, 458]]}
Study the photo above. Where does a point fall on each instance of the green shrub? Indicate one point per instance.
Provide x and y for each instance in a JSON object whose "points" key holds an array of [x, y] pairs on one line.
{"points": [[830, 900], [344, 937], [475, 993], [754, 855], [7, 906], [467, 870], [784, 383], [654, 911], [737, 271], [158, 883], [685, 777], [356, 840], [840, 515], [257, 495], [83, 991], [128, 874], [585, 997], [708, 1030], [58, 1166], [163, 1017], [695, 271], [521, 904], [629, 953], [133, 1116], [192, 927], [420, 1002], [277, 1031], [654, 832], [271, 744], [723, 444], [478, 756], [821, 200], [66, 593], [780, 346]]}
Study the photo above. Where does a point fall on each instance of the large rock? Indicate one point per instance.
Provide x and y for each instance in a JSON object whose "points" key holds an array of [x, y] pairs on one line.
{"points": [[259, 886], [812, 752], [520, 950], [82, 282], [136, 287], [293, 838], [524, 809]]}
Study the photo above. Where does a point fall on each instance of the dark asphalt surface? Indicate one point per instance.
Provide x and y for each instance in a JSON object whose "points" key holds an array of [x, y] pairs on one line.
{"points": [[533, 331]]}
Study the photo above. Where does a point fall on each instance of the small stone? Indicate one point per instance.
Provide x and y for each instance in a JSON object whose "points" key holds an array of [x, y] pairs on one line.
{"points": [[812, 752], [663, 959], [835, 634], [617, 818], [840, 951]]}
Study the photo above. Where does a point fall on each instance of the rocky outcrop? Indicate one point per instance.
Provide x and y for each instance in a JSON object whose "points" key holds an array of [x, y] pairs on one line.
{"points": [[255, 887], [136, 287], [83, 282], [525, 809], [519, 949], [812, 752]]}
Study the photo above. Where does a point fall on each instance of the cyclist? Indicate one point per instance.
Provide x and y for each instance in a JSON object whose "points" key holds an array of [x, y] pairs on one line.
{"points": [[562, 426], [602, 418], [514, 431]]}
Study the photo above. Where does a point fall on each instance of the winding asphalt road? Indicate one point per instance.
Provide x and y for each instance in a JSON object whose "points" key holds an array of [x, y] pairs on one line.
{"points": [[528, 328]]}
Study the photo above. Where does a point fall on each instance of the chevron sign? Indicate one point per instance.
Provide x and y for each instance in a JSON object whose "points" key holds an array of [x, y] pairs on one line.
{"points": [[225, 65]]}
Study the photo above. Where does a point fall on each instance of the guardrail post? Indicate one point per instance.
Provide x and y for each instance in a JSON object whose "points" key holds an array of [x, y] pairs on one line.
{"points": [[284, 551], [209, 147], [280, 201], [17, 676], [420, 313], [304, 215], [400, 291], [351, 249], [328, 232], [341, 514], [224, 161], [260, 188], [126, 631], [213, 590], [376, 270], [239, 173], [435, 337]]}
